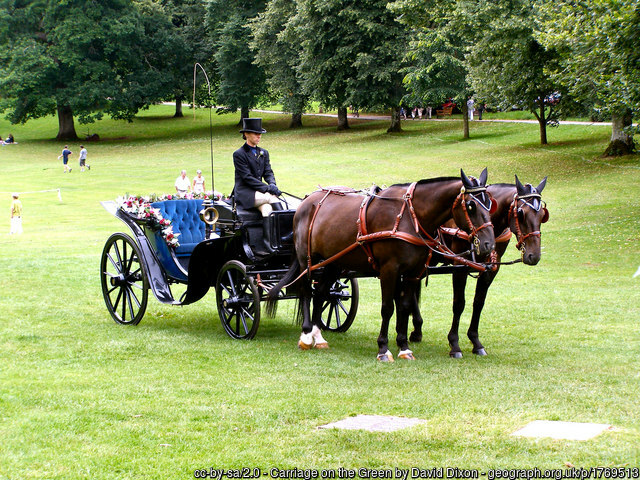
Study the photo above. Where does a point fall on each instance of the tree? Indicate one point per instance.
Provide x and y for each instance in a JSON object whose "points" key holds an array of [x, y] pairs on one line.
{"points": [[600, 59], [507, 65], [241, 81], [437, 69], [188, 20], [278, 52], [351, 54], [65, 58]]}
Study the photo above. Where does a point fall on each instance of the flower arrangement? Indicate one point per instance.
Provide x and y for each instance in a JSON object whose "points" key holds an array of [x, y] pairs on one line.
{"points": [[140, 207]]}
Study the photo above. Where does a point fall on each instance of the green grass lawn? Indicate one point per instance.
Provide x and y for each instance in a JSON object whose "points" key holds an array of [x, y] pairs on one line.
{"points": [[81, 397]]}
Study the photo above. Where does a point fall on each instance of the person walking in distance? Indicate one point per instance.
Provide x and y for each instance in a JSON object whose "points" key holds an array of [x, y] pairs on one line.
{"points": [[83, 158], [65, 158]]}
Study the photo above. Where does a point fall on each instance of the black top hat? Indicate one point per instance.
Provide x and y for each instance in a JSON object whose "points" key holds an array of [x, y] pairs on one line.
{"points": [[253, 125]]}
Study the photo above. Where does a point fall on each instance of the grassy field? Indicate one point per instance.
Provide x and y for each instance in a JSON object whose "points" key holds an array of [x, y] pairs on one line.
{"points": [[81, 397]]}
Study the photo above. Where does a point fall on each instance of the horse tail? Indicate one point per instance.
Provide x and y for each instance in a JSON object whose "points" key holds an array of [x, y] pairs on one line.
{"points": [[271, 307]]}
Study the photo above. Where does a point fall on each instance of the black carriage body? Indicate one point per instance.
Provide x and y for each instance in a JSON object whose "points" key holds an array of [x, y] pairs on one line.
{"points": [[228, 260]]}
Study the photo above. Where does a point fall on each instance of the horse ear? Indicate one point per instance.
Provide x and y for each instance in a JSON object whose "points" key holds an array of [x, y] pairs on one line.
{"points": [[465, 180], [542, 185], [520, 187], [483, 177]]}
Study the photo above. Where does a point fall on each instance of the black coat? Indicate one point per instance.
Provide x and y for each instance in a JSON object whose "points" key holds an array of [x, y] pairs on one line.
{"points": [[250, 171]]}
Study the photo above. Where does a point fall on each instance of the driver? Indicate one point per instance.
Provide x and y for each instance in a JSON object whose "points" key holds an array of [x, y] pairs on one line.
{"points": [[255, 183]]}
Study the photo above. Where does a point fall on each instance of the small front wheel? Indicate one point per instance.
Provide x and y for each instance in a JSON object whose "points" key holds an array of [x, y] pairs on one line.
{"points": [[238, 301], [124, 284]]}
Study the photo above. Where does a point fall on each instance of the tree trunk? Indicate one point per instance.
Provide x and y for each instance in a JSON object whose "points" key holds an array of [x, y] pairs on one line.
{"points": [[244, 113], [296, 120], [66, 127], [621, 142], [178, 113], [396, 126], [343, 123], [465, 120], [542, 121]]}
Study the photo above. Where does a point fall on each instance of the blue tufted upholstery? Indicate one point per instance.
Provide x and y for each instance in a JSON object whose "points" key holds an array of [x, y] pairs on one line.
{"points": [[184, 215]]}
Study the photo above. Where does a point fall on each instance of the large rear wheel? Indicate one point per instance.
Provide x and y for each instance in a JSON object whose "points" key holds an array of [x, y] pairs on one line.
{"points": [[124, 284], [238, 301], [340, 307]]}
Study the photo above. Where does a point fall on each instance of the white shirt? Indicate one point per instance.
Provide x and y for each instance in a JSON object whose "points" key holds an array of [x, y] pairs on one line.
{"points": [[83, 154], [182, 184]]}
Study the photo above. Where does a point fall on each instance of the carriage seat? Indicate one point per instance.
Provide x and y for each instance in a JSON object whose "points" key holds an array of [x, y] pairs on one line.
{"points": [[185, 219], [250, 215]]}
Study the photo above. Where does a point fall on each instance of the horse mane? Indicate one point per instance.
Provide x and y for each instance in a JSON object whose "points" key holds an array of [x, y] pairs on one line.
{"points": [[428, 180]]}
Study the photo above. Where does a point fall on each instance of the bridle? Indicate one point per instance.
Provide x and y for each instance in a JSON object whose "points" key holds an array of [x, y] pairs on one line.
{"points": [[473, 230], [516, 207]]}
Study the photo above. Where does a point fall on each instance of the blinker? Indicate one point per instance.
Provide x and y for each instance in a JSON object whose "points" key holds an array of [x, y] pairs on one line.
{"points": [[545, 217], [494, 206]]}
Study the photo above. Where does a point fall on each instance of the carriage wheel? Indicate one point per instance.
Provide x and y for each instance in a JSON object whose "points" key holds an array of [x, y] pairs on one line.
{"points": [[124, 284], [238, 301], [339, 310]]}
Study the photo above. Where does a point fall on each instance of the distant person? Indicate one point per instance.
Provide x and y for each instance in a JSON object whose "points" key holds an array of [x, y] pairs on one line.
{"points": [[470, 104], [83, 158], [16, 215], [65, 158], [481, 108], [10, 139], [198, 182], [429, 110], [2, 142], [183, 185]]}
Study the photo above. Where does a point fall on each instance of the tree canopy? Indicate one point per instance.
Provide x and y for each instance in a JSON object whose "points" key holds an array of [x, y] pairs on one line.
{"points": [[64, 57]]}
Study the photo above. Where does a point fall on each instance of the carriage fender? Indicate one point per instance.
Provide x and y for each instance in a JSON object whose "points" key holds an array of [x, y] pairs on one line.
{"points": [[205, 263]]}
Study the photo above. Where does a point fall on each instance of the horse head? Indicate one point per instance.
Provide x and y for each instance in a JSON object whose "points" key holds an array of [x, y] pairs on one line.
{"points": [[472, 212], [526, 214]]}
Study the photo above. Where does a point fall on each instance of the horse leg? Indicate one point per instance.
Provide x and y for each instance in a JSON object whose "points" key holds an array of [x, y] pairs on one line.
{"points": [[482, 287], [320, 294], [405, 303], [416, 335], [459, 281], [387, 287], [306, 338]]}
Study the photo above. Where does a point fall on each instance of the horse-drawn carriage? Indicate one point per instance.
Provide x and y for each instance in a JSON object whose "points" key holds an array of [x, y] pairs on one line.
{"points": [[334, 236], [218, 246]]}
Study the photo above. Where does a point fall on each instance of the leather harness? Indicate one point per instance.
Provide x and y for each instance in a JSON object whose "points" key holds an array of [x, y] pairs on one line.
{"points": [[364, 238]]}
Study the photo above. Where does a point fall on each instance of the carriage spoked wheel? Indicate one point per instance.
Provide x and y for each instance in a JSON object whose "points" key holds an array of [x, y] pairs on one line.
{"points": [[340, 308], [124, 284], [238, 301]]}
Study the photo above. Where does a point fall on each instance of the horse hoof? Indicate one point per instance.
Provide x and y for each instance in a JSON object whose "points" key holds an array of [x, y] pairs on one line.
{"points": [[321, 346], [481, 352], [306, 341], [455, 354], [415, 338], [406, 355], [385, 357]]}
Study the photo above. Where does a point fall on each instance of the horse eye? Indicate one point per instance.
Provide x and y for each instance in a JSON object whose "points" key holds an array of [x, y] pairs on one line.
{"points": [[471, 206]]}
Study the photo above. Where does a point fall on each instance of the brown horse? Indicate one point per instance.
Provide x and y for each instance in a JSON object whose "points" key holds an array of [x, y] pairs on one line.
{"points": [[520, 211], [389, 234]]}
